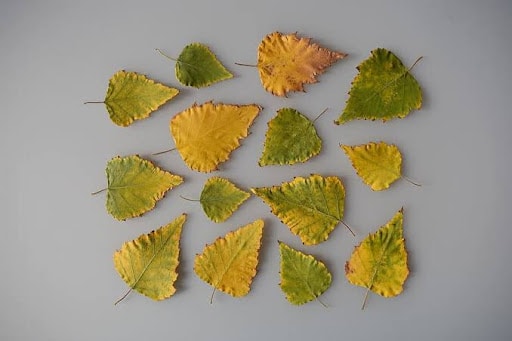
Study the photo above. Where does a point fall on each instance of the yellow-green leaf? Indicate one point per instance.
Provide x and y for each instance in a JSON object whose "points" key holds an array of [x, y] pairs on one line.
{"points": [[134, 185], [148, 264], [132, 96], [291, 137], [303, 278], [197, 66], [205, 135], [229, 264], [287, 62], [383, 89], [310, 207], [379, 263], [220, 198], [378, 164]]}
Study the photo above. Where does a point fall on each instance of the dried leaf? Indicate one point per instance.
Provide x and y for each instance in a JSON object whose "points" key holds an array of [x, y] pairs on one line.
{"points": [[132, 96], [229, 264], [197, 66], [383, 89], [206, 135], [379, 263], [220, 198], [378, 164], [135, 185], [291, 137], [303, 278], [148, 264], [287, 62], [310, 207]]}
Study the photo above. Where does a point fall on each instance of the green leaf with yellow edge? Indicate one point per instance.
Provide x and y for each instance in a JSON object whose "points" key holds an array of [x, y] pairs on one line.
{"points": [[205, 135], [132, 96], [148, 264], [287, 62], [134, 185], [303, 278], [311, 207], [378, 164], [229, 264], [383, 89], [291, 137], [220, 198], [379, 263]]}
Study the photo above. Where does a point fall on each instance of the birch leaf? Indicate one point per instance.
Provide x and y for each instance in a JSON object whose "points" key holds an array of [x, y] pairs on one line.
{"points": [[303, 278], [311, 207], [134, 185], [148, 264], [291, 137], [383, 89], [197, 66], [132, 96], [220, 198], [205, 135], [378, 164], [379, 263], [287, 62], [229, 264]]}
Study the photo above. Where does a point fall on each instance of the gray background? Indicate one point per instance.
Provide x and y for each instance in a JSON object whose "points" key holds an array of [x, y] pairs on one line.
{"points": [[57, 278]]}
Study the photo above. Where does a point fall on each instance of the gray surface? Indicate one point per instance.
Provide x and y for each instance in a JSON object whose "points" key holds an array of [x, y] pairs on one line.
{"points": [[58, 281]]}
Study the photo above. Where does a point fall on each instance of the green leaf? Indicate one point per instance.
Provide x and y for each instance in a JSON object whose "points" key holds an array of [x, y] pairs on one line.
{"points": [[303, 278], [197, 66], [383, 89], [379, 263], [310, 207], [220, 198], [135, 185], [148, 264], [132, 96], [291, 137]]}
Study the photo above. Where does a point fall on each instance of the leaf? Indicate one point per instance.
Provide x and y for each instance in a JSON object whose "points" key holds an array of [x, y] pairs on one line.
{"points": [[303, 278], [383, 89], [287, 62], [148, 264], [310, 207], [132, 96], [220, 198], [378, 164], [135, 185], [229, 264], [205, 135], [379, 263], [291, 137], [197, 66]]}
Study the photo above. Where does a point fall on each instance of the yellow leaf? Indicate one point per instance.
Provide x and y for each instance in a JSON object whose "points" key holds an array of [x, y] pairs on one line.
{"points": [[205, 135], [148, 264], [287, 62], [378, 164], [379, 263], [229, 264]]}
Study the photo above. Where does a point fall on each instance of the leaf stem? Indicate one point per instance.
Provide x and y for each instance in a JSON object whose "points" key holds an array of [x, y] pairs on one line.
{"points": [[323, 112], [249, 65], [410, 181], [365, 298], [97, 192], [90, 102], [166, 56], [348, 227], [211, 297], [182, 197], [414, 64], [124, 296], [163, 152], [322, 303]]}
